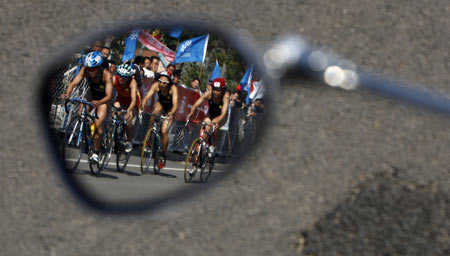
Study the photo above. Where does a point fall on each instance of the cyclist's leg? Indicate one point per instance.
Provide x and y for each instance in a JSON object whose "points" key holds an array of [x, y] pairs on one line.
{"points": [[216, 132], [208, 129], [130, 125], [102, 113], [88, 97], [165, 135], [156, 110]]}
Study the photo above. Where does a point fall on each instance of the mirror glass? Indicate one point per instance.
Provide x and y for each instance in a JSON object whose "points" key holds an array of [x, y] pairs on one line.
{"points": [[150, 112]]}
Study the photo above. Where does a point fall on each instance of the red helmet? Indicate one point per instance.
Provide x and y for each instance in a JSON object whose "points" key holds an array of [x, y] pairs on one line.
{"points": [[219, 83]]}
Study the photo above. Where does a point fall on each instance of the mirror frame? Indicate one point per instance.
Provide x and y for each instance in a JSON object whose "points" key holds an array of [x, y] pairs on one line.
{"points": [[236, 39]]}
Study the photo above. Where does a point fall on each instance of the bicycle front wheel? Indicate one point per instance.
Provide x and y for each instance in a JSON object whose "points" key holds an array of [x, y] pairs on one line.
{"points": [[122, 160], [97, 167], [108, 144], [156, 155], [207, 169], [146, 151], [73, 144], [192, 160]]}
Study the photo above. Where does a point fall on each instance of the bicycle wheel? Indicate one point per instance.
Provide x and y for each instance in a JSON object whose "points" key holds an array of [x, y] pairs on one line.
{"points": [[156, 155], [108, 143], [206, 170], [146, 151], [97, 167], [73, 144], [122, 160], [192, 160]]}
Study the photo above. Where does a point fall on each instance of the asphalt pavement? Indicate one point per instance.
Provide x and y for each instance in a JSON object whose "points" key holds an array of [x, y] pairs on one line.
{"points": [[131, 186], [336, 173]]}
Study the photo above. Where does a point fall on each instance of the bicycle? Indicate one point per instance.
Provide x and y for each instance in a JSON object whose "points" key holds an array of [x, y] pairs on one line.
{"points": [[198, 155], [151, 148], [116, 136], [79, 135]]}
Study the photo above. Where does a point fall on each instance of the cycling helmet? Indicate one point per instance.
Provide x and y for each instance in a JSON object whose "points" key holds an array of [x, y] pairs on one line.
{"points": [[219, 83], [166, 74], [93, 59], [125, 70]]}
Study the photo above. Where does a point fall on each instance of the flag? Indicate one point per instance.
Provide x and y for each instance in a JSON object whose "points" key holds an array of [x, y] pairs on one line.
{"points": [[175, 32], [246, 82], [153, 44], [192, 50], [216, 72], [130, 45], [163, 60]]}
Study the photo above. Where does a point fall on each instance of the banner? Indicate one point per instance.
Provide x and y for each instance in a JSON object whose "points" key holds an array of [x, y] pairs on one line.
{"points": [[216, 72], [130, 46], [175, 32], [246, 82], [192, 50], [154, 45]]}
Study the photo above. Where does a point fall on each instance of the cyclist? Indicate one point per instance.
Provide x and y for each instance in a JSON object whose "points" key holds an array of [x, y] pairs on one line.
{"points": [[99, 93], [218, 99], [127, 97], [167, 103]]}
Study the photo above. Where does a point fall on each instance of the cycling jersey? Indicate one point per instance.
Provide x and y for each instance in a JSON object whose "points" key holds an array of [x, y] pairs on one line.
{"points": [[124, 94], [165, 100], [215, 109], [97, 88]]}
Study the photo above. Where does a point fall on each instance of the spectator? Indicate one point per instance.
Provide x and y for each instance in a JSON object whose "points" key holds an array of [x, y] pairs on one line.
{"points": [[147, 62], [138, 66], [176, 77], [97, 46], [195, 84], [239, 97], [152, 69], [107, 63], [257, 107], [170, 69]]}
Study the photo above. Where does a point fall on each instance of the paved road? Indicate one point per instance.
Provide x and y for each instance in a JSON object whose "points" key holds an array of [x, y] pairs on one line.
{"points": [[131, 186], [317, 196]]}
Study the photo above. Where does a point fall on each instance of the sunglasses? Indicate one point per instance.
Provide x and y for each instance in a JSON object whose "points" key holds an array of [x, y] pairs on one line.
{"points": [[164, 82], [199, 154]]}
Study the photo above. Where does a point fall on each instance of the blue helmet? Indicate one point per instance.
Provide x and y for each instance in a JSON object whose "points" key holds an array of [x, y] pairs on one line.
{"points": [[93, 59], [125, 70]]}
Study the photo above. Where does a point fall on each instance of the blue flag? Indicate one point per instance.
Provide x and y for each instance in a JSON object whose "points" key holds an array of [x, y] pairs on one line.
{"points": [[192, 50], [216, 72], [175, 32], [130, 45], [246, 81]]}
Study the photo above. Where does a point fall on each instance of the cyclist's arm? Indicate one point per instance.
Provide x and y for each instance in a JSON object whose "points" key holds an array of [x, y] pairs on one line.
{"points": [[226, 102], [76, 80], [200, 101], [174, 100], [133, 87], [107, 79], [149, 95]]}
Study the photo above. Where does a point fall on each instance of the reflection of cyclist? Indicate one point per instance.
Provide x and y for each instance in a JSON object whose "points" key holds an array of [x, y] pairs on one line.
{"points": [[126, 88], [167, 103], [99, 93], [218, 99]]}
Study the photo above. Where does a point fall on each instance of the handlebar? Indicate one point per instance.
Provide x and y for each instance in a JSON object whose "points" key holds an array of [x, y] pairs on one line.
{"points": [[78, 100], [151, 114], [119, 110], [196, 121]]}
